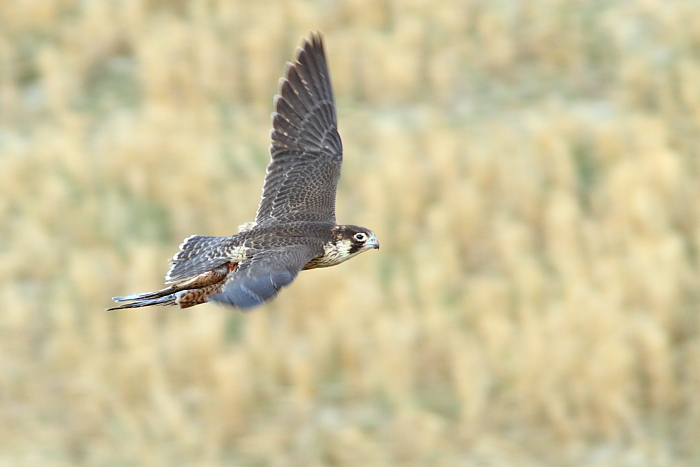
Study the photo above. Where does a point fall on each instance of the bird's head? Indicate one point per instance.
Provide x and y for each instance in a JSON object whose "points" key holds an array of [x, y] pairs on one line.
{"points": [[353, 239]]}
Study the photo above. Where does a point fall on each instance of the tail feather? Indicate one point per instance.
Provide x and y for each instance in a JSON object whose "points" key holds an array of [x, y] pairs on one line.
{"points": [[141, 302], [185, 294], [148, 295]]}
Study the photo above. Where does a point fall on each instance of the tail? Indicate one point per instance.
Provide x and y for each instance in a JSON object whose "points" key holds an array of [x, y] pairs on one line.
{"points": [[162, 297], [184, 294]]}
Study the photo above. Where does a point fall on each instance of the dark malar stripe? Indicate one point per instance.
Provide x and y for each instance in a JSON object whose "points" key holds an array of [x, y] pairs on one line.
{"points": [[355, 247]]}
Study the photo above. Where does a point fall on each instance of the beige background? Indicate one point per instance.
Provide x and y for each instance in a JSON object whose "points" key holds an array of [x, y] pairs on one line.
{"points": [[531, 170]]}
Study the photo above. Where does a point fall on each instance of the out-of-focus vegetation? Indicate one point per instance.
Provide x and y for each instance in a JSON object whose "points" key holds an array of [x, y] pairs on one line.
{"points": [[532, 172]]}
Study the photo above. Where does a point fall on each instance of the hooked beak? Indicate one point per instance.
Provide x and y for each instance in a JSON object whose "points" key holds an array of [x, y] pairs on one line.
{"points": [[372, 243]]}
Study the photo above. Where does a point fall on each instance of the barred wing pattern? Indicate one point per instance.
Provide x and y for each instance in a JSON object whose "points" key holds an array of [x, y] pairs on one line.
{"points": [[198, 254], [306, 151]]}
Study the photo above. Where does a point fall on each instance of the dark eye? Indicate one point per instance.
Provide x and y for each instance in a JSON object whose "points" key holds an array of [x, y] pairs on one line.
{"points": [[360, 237]]}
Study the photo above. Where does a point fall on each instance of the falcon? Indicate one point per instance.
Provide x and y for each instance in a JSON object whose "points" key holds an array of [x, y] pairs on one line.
{"points": [[295, 226]]}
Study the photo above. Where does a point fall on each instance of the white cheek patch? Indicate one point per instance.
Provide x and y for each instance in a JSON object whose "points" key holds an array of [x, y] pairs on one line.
{"points": [[335, 253], [337, 250]]}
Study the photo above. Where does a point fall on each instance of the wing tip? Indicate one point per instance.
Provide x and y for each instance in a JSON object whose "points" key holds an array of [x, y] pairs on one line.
{"points": [[314, 42], [314, 39]]}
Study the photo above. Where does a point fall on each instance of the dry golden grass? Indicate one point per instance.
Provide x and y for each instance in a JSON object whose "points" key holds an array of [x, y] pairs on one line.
{"points": [[531, 169]]}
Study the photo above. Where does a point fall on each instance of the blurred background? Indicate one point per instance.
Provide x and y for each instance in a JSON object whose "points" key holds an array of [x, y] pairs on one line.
{"points": [[531, 169]]}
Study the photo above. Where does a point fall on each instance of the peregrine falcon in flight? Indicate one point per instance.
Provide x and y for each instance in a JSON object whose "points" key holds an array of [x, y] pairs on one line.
{"points": [[295, 226]]}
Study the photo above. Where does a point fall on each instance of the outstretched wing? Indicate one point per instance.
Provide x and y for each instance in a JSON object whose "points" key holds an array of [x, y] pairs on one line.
{"points": [[306, 151], [260, 277]]}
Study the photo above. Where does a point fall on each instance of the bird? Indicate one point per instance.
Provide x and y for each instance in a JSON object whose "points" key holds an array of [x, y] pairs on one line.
{"points": [[295, 225]]}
